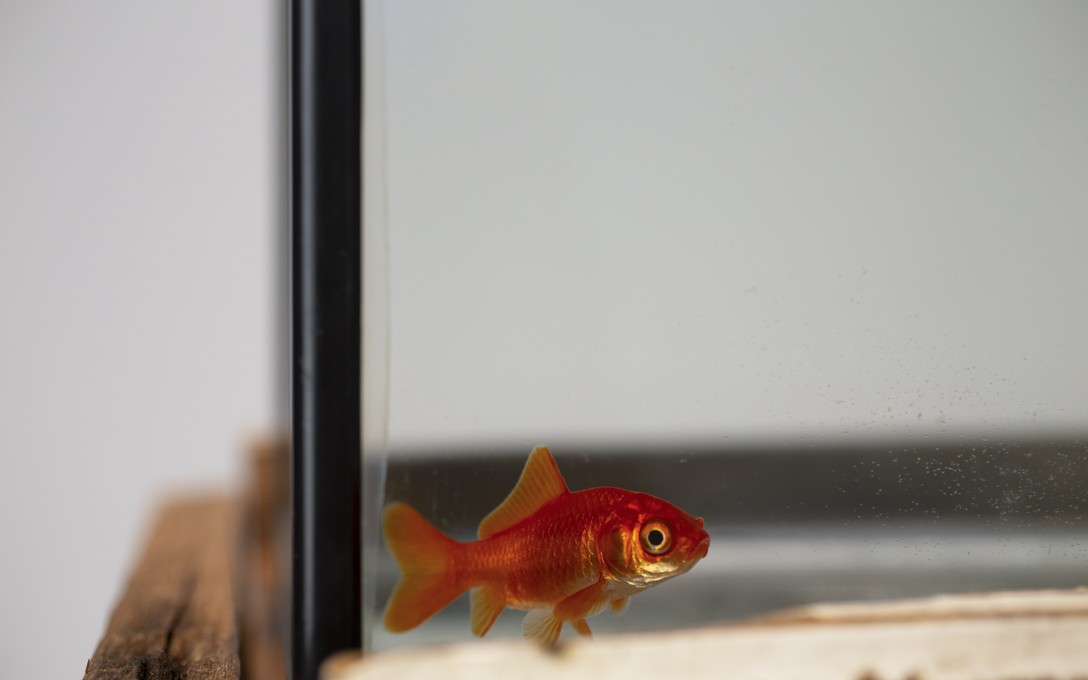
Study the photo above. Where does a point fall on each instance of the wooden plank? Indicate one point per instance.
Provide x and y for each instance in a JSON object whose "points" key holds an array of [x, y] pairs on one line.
{"points": [[178, 614], [263, 556], [999, 636]]}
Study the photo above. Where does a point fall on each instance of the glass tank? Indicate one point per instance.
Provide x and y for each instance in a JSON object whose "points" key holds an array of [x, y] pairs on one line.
{"points": [[813, 273]]}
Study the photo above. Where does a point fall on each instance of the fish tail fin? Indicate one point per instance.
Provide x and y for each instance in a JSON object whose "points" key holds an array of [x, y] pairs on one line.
{"points": [[424, 554]]}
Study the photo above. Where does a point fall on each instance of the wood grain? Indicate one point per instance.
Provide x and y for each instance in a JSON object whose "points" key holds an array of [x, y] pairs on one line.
{"points": [[178, 615], [263, 558]]}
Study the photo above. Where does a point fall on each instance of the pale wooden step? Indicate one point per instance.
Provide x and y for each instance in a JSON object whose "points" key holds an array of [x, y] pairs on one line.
{"points": [[994, 636]]}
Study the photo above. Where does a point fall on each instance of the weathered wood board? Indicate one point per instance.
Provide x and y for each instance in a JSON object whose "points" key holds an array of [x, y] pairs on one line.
{"points": [[263, 563], [178, 615]]}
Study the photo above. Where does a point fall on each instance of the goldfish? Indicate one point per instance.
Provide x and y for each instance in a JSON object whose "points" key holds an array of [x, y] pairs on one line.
{"points": [[561, 555]]}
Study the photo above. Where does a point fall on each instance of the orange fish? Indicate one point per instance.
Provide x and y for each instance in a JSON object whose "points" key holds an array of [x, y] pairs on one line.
{"points": [[560, 555]]}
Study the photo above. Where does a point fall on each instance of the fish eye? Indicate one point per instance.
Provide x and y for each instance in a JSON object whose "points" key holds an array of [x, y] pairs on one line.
{"points": [[655, 537]]}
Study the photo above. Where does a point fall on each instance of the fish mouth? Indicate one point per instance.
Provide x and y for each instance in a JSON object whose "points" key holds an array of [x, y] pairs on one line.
{"points": [[700, 549]]}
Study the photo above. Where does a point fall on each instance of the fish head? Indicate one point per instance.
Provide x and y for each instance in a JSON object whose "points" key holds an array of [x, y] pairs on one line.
{"points": [[647, 540]]}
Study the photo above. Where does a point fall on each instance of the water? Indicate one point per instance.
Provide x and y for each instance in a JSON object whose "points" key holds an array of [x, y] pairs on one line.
{"points": [[793, 527], [761, 261], [745, 576]]}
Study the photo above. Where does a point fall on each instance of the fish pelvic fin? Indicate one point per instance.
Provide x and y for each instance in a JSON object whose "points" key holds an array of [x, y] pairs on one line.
{"points": [[588, 601], [424, 554], [619, 606], [540, 482], [541, 626], [487, 603]]}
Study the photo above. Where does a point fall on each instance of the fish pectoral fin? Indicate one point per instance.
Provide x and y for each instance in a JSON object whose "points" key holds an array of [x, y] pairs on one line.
{"points": [[586, 602], [544, 626], [619, 605], [541, 626], [487, 604]]}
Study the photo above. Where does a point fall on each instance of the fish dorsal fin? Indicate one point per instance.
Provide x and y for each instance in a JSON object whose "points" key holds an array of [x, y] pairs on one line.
{"points": [[540, 482]]}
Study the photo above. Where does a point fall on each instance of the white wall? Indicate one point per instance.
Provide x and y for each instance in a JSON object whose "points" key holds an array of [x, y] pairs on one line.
{"points": [[136, 214], [781, 220]]}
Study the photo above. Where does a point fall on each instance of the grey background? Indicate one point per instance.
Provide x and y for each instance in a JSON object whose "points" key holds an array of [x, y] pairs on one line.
{"points": [[711, 220], [137, 207]]}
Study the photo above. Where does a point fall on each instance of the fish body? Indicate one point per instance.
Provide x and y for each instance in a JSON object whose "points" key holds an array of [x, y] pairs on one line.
{"points": [[560, 555]]}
